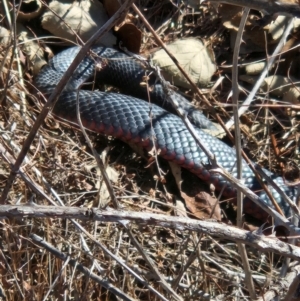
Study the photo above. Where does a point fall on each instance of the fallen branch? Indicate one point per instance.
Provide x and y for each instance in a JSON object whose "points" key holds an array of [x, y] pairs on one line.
{"points": [[212, 228]]}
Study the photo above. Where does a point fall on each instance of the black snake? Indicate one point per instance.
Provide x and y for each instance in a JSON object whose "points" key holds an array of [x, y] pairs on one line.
{"points": [[128, 118]]}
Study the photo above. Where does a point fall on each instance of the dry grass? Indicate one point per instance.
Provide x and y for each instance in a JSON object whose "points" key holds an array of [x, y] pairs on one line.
{"points": [[195, 267]]}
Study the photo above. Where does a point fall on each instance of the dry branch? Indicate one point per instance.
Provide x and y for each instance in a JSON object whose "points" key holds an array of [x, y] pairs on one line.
{"points": [[212, 228]]}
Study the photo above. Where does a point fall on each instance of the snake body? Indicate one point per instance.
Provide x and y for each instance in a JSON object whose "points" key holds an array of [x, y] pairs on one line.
{"points": [[133, 120]]}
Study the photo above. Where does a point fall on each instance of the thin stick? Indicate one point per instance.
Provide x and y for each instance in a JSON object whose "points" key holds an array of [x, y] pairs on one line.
{"points": [[239, 161], [235, 102]]}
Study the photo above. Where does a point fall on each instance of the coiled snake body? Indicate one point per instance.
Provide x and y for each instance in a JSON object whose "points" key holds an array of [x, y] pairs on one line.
{"points": [[128, 118]]}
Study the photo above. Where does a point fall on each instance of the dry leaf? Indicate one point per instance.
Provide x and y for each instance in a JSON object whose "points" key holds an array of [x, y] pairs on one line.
{"points": [[34, 52], [180, 209], [103, 193], [203, 206], [176, 171], [4, 36], [195, 58], [127, 32], [255, 68], [276, 85], [277, 28], [83, 18], [130, 36], [292, 96]]}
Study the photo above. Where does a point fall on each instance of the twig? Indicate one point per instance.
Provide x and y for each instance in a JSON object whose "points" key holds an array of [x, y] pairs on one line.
{"points": [[235, 102], [193, 256], [215, 229], [250, 98], [34, 186], [56, 92], [12, 21], [239, 161]]}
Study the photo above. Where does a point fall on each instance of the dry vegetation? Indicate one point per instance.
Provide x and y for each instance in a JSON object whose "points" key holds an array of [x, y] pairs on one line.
{"points": [[60, 169]]}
